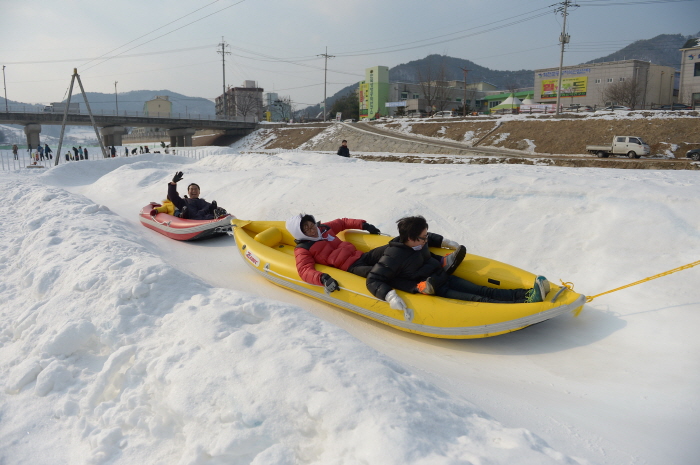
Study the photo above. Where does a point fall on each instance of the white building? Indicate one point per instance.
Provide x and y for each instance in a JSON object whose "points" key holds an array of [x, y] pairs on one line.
{"points": [[689, 90], [585, 84]]}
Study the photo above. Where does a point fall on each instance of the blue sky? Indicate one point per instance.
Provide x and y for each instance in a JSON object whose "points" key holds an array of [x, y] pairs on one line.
{"points": [[173, 45]]}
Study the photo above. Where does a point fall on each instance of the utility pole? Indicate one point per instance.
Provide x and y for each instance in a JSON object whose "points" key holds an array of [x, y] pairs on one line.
{"points": [[325, 79], [115, 97], [4, 85], [464, 103], [223, 53], [564, 39]]}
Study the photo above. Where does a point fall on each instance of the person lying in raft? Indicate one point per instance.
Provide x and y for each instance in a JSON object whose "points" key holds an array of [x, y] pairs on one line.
{"points": [[407, 264], [192, 207], [317, 243]]}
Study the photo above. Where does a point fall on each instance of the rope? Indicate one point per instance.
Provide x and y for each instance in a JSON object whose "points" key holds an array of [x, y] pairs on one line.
{"points": [[665, 273]]}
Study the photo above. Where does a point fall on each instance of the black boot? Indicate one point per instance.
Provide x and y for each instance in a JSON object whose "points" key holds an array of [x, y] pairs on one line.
{"points": [[184, 213]]}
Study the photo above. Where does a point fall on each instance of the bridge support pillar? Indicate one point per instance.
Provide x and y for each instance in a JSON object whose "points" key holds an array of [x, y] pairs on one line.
{"points": [[181, 137], [112, 135], [33, 131]]}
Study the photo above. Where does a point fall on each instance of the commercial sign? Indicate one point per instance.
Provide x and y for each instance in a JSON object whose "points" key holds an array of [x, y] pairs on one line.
{"points": [[396, 104], [364, 108], [570, 87]]}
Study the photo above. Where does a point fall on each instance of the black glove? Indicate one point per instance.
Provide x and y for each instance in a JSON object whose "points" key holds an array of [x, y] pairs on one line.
{"points": [[177, 177], [212, 206], [329, 283], [370, 228]]}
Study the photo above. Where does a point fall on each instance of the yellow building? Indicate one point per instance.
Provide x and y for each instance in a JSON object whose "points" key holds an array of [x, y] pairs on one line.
{"points": [[159, 106]]}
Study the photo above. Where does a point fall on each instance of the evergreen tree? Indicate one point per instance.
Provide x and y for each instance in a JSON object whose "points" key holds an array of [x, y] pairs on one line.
{"points": [[348, 105]]}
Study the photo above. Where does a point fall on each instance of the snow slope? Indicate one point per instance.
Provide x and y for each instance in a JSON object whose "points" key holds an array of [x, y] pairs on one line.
{"points": [[118, 345]]}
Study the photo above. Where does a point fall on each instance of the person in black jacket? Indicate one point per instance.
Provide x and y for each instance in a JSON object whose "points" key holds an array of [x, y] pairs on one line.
{"points": [[408, 265], [192, 207], [344, 151]]}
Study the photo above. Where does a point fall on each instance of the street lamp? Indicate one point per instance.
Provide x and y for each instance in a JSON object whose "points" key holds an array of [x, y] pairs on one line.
{"points": [[115, 97], [5, 86]]}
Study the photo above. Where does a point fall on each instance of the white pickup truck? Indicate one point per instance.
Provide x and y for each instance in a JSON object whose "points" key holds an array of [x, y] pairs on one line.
{"points": [[632, 146]]}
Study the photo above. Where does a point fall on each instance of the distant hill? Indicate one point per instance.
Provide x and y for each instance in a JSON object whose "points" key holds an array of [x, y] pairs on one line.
{"points": [[662, 49], [133, 102]]}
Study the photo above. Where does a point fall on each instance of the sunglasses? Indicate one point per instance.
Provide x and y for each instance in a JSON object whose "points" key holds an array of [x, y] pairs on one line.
{"points": [[422, 238]]}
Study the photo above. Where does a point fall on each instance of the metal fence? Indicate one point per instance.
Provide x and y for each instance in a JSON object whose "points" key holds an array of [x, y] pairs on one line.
{"points": [[25, 159]]}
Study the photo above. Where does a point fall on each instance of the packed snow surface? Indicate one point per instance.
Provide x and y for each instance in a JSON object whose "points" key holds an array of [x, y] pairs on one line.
{"points": [[121, 346]]}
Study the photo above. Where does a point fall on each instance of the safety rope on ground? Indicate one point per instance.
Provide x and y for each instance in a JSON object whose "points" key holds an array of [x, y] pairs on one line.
{"points": [[665, 273]]}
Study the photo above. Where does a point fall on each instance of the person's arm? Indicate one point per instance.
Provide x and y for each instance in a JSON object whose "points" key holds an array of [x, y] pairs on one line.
{"points": [[379, 276], [341, 224], [174, 197], [306, 266], [434, 240]]}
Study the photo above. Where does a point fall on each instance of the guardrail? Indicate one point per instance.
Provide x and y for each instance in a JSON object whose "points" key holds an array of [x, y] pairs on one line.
{"points": [[172, 115], [24, 159]]}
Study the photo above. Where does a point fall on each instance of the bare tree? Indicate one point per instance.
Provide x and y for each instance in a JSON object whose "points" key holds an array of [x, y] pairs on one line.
{"points": [[432, 85], [285, 107], [248, 103], [628, 92]]}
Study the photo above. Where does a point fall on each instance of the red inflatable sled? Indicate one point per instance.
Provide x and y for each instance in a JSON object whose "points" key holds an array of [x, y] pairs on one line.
{"points": [[182, 229]]}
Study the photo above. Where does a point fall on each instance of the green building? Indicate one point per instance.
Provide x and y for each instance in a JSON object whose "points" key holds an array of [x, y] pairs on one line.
{"points": [[374, 92]]}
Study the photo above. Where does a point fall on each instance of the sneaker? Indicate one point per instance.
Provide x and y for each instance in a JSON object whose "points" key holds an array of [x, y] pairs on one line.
{"points": [[184, 212], [545, 285], [450, 262], [539, 290], [426, 287], [219, 212]]}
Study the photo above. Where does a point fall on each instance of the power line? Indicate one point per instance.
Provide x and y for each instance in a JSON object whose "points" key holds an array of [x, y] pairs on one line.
{"points": [[149, 33], [170, 32]]}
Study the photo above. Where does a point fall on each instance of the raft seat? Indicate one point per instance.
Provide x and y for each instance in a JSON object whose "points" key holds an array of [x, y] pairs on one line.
{"points": [[269, 237]]}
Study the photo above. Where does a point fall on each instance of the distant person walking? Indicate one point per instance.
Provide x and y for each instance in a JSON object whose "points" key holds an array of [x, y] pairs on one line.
{"points": [[140, 149], [344, 151], [85, 150], [40, 151], [48, 152], [75, 151], [126, 151], [113, 151], [14, 151], [68, 155]]}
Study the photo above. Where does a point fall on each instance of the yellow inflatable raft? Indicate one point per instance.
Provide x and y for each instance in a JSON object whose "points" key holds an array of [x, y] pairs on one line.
{"points": [[269, 249]]}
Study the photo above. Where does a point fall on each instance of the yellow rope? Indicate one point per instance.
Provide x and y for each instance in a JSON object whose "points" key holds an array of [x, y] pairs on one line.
{"points": [[665, 273]]}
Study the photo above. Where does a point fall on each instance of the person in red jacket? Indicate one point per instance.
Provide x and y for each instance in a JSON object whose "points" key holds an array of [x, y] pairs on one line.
{"points": [[317, 243]]}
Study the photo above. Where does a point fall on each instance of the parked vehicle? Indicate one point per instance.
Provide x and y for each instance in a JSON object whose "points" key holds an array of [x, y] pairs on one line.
{"points": [[694, 154], [445, 114], [675, 106], [349, 120], [579, 108], [632, 146], [60, 107], [617, 108]]}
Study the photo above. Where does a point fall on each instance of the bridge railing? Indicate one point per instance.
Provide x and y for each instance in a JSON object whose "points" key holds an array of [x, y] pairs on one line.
{"points": [[125, 113]]}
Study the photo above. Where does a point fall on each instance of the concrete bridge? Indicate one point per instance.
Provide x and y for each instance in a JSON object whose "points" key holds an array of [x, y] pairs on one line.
{"points": [[113, 127]]}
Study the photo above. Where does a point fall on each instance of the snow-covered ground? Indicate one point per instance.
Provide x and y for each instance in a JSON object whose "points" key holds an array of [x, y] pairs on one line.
{"points": [[120, 346]]}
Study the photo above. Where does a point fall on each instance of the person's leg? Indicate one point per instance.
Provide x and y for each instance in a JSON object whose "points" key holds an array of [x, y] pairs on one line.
{"points": [[461, 289]]}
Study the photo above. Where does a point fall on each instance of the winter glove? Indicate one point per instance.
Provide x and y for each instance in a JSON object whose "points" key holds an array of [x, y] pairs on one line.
{"points": [[219, 211], [212, 207], [370, 228], [395, 301], [154, 212], [177, 177], [329, 283], [448, 244]]}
